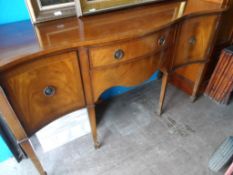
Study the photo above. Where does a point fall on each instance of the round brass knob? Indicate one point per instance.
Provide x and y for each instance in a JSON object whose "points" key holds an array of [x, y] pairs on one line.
{"points": [[192, 40], [49, 91], [119, 54], [162, 40]]}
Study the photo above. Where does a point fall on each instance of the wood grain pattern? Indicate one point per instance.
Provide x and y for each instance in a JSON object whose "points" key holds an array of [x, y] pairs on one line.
{"points": [[88, 89], [100, 56], [71, 33], [204, 31], [25, 84], [194, 40], [131, 29], [224, 38], [28, 64], [128, 74], [182, 82]]}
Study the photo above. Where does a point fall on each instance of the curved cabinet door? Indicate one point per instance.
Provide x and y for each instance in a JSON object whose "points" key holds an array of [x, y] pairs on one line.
{"points": [[45, 89], [194, 40]]}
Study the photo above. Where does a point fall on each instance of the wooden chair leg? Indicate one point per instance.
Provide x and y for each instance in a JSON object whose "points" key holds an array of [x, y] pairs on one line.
{"points": [[197, 85], [163, 92], [92, 118], [28, 149]]}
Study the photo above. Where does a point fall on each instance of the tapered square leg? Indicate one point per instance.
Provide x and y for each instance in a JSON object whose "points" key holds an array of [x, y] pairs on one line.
{"points": [[193, 98], [28, 149], [92, 118], [163, 92], [17, 130], [197, 84]]}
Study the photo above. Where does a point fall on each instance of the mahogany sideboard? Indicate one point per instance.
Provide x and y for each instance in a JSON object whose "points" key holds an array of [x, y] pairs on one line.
{"points": [[54, 68]]}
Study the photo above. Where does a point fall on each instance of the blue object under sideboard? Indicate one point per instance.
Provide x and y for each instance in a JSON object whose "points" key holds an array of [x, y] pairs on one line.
{"points": [[5, 153], [114, 91]]}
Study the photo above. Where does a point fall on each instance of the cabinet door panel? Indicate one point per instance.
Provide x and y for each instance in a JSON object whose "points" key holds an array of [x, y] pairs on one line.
{"points": [[45, 89], [194, 39]]}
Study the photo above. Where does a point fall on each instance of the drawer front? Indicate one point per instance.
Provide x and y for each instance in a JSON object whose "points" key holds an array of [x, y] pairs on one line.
{"points": [[120, 52], [195, 38], [45, 89], [128, 74]]}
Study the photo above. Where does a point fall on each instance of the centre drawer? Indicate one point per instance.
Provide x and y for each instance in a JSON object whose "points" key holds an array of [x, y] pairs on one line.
{"points": [[124, 51]]}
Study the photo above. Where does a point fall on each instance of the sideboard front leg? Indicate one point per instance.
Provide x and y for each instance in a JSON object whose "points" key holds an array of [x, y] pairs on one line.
{"points": [[9, 116], [92, 118], [88, 89], [28, 149], [197, 84], [163, 92]]}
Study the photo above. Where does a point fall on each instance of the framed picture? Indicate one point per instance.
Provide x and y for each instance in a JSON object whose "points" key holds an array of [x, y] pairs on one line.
{"points": [[85, 7], [45, 10]]}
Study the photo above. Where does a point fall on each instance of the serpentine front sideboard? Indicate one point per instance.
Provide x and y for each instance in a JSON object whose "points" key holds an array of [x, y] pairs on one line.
{"points": [[54, 68]]}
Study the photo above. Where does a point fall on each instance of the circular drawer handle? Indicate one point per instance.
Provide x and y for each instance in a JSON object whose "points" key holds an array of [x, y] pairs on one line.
{"points": [[49, 91], [162, 40], [192, 40], [119, 54]]}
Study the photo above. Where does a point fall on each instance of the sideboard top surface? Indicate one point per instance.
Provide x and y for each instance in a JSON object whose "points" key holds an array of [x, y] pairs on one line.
{"points": [[22, 41]]}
